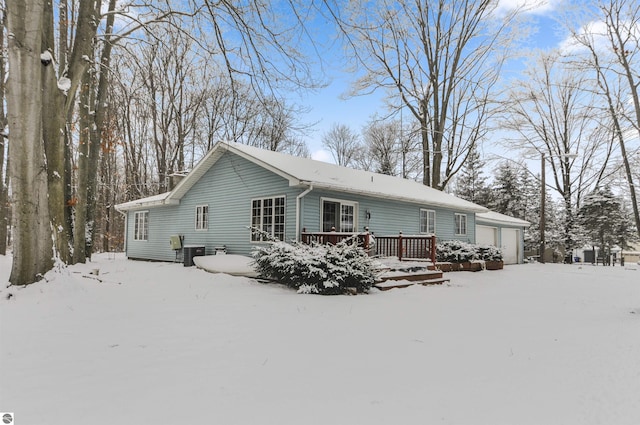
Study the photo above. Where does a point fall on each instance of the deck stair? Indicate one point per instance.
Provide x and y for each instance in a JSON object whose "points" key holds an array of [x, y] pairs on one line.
{"points": [[405, 277]]}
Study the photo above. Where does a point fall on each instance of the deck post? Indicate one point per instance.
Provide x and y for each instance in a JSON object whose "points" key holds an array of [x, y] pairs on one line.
{"points": [[366, 240], [400, 246], [433, 249]]}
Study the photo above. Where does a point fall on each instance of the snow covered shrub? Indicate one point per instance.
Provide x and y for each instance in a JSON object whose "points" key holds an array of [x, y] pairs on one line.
{"points": [[488, 253], [316, 269], [461, 252], [455, 251]]}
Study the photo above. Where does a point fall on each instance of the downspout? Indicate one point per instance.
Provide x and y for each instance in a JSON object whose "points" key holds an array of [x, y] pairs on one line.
{"points": [[298, 218]]}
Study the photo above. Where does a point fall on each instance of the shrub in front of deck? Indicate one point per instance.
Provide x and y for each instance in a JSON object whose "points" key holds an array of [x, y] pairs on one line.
{"points": [[455, 251], [316, 269]]}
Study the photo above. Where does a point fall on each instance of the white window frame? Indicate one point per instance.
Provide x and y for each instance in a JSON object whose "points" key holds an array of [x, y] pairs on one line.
{"points": [[430, 221], [341, 203], [202, 217], [458, 220], [275, 222], [141, 226]]}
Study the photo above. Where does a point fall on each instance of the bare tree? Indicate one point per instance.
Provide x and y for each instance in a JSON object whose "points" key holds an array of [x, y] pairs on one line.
{"points": [[382, 144], [442, 59], [32, 251], [343, 143], [555, 117], [4, 192], [613, 55]]}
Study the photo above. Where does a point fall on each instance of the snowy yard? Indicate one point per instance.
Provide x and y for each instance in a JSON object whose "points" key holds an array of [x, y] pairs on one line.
{"points": [[158, 343]]}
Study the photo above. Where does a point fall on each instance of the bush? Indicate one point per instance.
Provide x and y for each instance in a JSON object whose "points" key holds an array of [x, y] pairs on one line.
{"points": [[316, 269], [455, 251], [488, 253]]}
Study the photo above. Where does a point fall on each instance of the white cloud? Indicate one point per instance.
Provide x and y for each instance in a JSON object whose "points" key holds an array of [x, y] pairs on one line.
{"points": [[537, 7]]}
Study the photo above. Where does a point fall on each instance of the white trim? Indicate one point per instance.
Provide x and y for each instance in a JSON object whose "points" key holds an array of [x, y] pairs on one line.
{"points": [[261, 199], [197, 216], [299, 211], [341, 202], [427, 210], [455, 224], [146, 226]]}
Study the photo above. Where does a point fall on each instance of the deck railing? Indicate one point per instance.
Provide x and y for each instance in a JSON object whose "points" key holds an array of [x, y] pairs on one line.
{"points": [[324, 238], [421, 247]]}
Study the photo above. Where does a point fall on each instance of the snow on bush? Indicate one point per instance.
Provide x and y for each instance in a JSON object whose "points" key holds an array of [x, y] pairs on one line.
{"points": [[316, 269], [455, 251]]}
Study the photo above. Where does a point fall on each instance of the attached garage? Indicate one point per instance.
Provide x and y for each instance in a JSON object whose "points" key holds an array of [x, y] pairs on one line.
{"points": [[510, 245], [486, 235], [504, 232]]}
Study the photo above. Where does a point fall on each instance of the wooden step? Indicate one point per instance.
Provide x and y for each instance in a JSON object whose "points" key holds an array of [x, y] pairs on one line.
{"points": [[391, 283]]}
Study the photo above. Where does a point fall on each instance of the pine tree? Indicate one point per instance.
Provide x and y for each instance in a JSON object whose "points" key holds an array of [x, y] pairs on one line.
{"points": [[507, 192], [471, 183], [530, 208], [605, 222]]}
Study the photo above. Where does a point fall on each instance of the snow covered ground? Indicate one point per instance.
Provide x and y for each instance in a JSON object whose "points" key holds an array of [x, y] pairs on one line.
{"points": [[158, 343]]}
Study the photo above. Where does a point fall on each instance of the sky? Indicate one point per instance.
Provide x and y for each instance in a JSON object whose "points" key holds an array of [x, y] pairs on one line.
{"points": [[328, 105]]}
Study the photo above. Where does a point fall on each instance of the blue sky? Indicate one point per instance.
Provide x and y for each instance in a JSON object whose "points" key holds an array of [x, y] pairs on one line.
{"points": [[328, 107]]}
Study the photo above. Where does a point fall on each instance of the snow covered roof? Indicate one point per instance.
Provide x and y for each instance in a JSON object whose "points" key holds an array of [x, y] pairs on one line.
{"points": [[142, 203], [493, 217], [307, 172]]}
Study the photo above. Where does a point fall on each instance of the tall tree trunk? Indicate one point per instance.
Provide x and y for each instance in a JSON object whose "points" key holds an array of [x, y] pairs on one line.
{"points": [[53, 123], [4, 210], [84, 141], [99, 108], [33, 251]]}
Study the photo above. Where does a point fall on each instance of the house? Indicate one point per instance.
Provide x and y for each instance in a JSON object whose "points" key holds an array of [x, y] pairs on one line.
{"points": [[236, 186]]}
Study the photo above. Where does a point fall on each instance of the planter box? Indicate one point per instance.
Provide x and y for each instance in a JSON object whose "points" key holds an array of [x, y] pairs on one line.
{"points": [[470, 267], [457, 267], [494, 265]]}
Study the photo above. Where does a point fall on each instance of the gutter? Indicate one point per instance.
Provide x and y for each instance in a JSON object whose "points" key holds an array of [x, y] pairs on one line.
{"points": [[298, 202]]}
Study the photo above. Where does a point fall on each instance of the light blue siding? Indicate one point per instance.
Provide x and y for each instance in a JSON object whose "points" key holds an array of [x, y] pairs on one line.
{"points": [[230, 185], [227, 188], [387, 217]]}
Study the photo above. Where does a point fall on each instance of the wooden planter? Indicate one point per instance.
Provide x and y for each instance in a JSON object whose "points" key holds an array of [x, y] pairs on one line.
{"points": [[494, 265], [470, 267], [456, 267]]}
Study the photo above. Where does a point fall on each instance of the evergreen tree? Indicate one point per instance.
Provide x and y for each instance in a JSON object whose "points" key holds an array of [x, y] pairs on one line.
{"points": [[471, 183], [507, 192], [530, 208], [604, 221]]}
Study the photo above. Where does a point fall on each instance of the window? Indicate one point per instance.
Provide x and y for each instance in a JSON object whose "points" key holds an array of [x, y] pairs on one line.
{"points": [[141, 226], [461, 224], [202, 217], [428, 221], [339, 215], [267, 214]]}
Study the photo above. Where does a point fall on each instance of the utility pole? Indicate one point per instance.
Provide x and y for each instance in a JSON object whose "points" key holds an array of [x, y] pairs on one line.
{"points": [[542, 208]]}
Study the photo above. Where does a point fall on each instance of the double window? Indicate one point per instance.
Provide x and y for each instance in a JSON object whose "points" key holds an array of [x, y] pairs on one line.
{"points": [[339, 215], [428, 221], [461, 224], [202, 217], [267, 214], [141, 226]]}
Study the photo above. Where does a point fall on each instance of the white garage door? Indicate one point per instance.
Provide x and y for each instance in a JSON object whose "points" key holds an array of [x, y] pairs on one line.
{"points": [[486, 235], [510, 245]]}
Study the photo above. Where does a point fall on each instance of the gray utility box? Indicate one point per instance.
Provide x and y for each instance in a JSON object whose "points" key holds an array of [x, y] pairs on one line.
{"points": [[191, 251]]}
